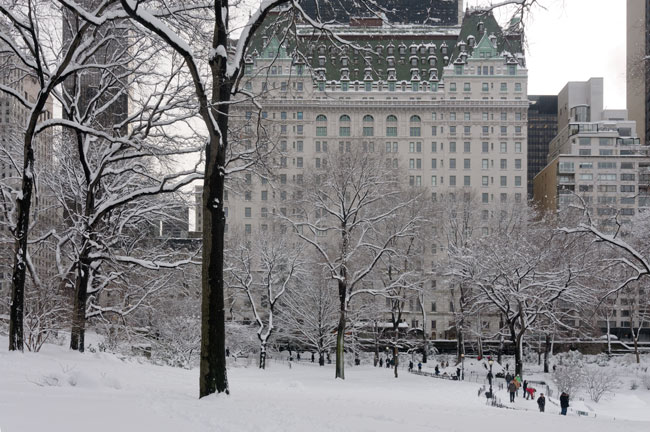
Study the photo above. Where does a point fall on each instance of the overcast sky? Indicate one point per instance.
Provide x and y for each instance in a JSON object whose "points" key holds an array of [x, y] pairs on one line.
{"points": [[573, 40]]}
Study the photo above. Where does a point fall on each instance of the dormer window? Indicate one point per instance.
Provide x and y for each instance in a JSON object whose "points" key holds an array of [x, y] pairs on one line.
{"points": [[414, 61], [321, 50], [390, 50], [402, 50], [379, 49], [390, 61], [344, 61]]}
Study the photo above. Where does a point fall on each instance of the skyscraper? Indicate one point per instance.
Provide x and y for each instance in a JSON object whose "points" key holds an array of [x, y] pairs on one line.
{"points": [[638, 65], [542, 128]]}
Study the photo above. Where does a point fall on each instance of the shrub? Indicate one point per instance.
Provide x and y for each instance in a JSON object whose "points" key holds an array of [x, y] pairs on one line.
{"points": [[599, 382]]}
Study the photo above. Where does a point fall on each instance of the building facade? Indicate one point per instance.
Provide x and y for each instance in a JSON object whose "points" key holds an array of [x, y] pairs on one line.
{"points": [[542, 128], [638, 67], [445, 105], [596, 156]]}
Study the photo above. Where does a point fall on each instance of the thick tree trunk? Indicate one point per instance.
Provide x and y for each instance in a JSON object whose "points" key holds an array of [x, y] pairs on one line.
{"points": [[547, 349], [340, 339], [636, 347], [78, 331], [425, 347], [263, 355], [213, 377], [23, 206], [609, 339], [519, 364], [395, 358], [460, 342]]}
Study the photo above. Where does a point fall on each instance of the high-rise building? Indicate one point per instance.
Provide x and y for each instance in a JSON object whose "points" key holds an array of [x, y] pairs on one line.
{"points": [[638, 66], [542, 128], [595, 156], [430, 12], [447, 105]]}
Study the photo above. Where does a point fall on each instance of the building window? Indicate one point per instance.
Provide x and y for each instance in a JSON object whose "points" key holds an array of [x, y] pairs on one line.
{"points": [[391, 125]]}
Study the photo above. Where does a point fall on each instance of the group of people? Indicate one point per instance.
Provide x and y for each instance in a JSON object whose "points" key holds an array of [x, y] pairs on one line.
{"points": [[514, 383], [411, 365]]}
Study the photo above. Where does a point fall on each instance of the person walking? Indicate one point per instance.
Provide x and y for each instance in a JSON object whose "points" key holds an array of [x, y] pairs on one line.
{"points": [[437, 370], [489, 378], [410, 365], [313, 357], [381, 362], [419, 366], [508, 378], [512, 388], [564, 403], [541, 402], [525, 387]]}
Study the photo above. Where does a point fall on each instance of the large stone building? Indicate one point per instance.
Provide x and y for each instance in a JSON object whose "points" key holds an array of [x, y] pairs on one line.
{"points": [[446, 105], [638, 67]]}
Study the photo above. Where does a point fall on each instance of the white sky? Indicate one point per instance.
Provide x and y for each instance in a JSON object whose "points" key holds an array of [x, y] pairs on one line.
{"points": [[574, 40]]}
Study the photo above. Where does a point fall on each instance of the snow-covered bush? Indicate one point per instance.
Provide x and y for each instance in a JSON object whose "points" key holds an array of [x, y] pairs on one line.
{"points": [[568, 374], [646, 381], [599, 382], [634, 385]]}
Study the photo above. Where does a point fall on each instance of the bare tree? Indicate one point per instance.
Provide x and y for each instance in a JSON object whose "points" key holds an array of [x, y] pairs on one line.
{"points": [[343, 215], [519, 275], [308, 313], [265, 270]]}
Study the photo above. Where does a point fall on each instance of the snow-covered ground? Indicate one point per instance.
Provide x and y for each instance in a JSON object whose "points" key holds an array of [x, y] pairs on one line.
{"points": [[57, 390]]}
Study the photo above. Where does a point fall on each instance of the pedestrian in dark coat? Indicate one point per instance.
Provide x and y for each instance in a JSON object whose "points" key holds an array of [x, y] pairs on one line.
{"points": [[489, 377], [564, 402], [541, 402], [381, 362], [410, 365], [419, 366], [525, 387], [458, 373], [512, 388], [437, 369], [313, 357]]}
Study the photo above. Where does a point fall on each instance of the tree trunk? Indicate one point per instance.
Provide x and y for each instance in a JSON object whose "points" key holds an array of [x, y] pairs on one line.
{"points": [[23, 205], [519, 363], [340, 339], [547, 348], [213, 376], [78, 331], [460, 342], [425, 345], [636, 346], [395, 357], [609, 339], [263, 355]]}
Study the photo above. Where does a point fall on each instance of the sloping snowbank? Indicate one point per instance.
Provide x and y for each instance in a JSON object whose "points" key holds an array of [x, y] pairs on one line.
{"points": [[58, 390]]}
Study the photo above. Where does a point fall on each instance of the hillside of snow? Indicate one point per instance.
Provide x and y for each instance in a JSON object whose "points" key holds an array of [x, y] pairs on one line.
{"points": [[58, 390]]}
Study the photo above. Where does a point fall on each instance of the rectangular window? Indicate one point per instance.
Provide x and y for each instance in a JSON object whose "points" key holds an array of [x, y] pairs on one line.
{"points": [[503, 147], [504, 181], [518, 164], [517, 180], [517, 147], [434, 147], [485, 164], [485, 86], [247, 212], [321, 131], [434, 181], [467, 87], [485, 198], [452, 180], [485, 181], [344, 131], [452, 147], [504, 164], [466, 181], [391, 131], [466, 164], [485, 147]]}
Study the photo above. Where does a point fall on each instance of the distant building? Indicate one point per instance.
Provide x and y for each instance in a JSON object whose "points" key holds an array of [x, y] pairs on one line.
{"points": [[430, 12], [638, 67], [542, 128], [595, 156], [176, 224], [447, 105]]}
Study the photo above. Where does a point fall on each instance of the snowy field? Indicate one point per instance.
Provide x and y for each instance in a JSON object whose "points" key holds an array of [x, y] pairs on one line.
{"points": [[57, 390]]}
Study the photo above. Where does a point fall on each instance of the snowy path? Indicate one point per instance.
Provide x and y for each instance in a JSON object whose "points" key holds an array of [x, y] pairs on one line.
{"points": [[111, 395]]}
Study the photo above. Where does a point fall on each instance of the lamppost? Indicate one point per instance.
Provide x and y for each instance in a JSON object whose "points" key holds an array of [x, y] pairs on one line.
{"points": [[490, 362], [462, 367]]}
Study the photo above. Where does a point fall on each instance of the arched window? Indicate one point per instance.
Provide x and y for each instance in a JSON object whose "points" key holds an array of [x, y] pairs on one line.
{"points": [[344, 125], [391, 126], [414, 129], [368, 128], [321, 127]]}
